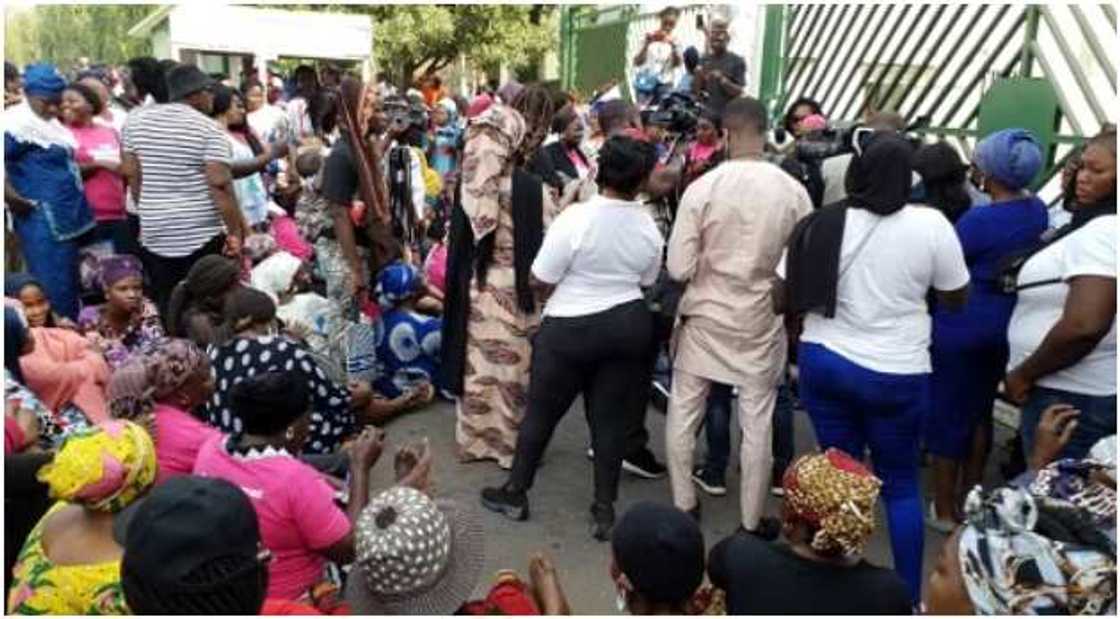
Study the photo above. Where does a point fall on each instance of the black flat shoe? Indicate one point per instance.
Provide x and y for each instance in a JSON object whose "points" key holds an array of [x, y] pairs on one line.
{"points": [[767, 529], [512, 504], [602, 521]]}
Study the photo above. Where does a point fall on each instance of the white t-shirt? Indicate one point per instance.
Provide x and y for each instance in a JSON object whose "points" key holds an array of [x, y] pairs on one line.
{"points": [[1088, 251], [659, 61], [599, 254], [882, 322]]}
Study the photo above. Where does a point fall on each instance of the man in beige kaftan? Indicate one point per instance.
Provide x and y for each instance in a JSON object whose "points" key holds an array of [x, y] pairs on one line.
{"points": [[731, 228]]}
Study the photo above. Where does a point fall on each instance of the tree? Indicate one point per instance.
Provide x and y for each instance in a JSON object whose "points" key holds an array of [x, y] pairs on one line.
{"points": [[411, 40], [62, 34]]}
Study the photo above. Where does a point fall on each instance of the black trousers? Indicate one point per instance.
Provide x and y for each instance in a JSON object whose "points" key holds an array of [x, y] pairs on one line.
{"points": [[163, 272], [604, 356]]}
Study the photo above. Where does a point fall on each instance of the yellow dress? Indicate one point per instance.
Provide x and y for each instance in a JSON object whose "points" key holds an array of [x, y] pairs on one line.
{"points": [[40, 587]]}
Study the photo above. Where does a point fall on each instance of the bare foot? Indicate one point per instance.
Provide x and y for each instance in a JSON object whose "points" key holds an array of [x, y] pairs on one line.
{"points": [[546, 586]]}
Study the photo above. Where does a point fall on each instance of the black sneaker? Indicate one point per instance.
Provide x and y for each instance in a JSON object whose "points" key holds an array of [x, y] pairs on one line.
{"points": [[643, 464], [709, 481], [511, 504], [602, 521]]}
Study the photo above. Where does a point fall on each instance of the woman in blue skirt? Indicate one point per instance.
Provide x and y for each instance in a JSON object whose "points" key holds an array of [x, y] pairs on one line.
{"points": [[969, 348]]}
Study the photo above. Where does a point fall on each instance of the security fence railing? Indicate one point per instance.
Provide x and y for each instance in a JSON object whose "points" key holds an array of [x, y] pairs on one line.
{"points": [[937, 61]]}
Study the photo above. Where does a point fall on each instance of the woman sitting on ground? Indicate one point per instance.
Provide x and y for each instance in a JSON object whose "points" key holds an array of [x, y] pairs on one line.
{"points": [[70, 564], [828, 515], [127, 323], [300, 522], [21, 403], [36, 306], [161, 391], [409, 351], [69, 375], [195, 308], [251, 345], [1021, 555]]}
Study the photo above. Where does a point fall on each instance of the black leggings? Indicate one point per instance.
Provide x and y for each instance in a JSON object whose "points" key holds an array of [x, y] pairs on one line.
{"points": [[605, 356]]}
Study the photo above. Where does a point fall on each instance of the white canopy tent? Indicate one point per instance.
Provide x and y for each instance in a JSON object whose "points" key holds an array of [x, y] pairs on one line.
{"points": [[195, 30]]}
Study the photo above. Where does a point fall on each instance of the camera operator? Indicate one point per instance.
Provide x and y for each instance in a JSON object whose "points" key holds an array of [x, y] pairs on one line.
{"points": [[722, 74], [658, 60], [404, 171], [835, 168]]}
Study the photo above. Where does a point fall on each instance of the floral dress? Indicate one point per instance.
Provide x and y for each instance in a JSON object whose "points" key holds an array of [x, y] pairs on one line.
{"points": [[39, 587], [332, 421], [139, 336], [53, 429]]}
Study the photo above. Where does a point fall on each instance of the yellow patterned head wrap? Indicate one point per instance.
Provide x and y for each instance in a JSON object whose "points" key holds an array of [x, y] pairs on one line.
{"points": [[836, 495], [103, 468]]}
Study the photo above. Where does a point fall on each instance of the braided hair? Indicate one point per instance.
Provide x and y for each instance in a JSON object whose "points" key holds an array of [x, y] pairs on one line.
{"points": [[536, 106]]}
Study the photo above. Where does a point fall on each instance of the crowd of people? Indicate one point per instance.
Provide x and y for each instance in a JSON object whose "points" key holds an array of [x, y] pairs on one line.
{"points": [[224, 292]]}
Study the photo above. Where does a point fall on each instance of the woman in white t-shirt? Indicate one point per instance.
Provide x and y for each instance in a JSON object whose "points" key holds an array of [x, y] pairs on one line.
{"points": [[864, 357], [250, 157], [597, 330], [1063, 333]]}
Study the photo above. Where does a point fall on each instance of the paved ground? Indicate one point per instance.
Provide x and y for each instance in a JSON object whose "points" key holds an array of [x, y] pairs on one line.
{"points": [[559, 520]]}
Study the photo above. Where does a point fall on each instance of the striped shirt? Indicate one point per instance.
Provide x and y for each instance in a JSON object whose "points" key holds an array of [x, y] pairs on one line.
{"points": [[173, 143]]}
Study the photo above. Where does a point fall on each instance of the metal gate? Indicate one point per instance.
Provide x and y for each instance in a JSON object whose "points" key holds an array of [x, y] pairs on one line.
{"points": [[938, 61]]}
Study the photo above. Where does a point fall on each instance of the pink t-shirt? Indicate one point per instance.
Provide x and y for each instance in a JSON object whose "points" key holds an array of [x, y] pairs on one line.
{"points": [[178, 438], [104, 189], [435, 267], [702, 152], [295, 509]]}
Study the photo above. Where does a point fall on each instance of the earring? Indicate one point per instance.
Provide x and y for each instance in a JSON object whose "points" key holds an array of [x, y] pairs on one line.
{"points": [[290, 434]]}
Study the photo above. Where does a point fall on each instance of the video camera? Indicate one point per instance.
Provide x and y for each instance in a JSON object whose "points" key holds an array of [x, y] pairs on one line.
{"points": [[842, 139], [402, 114], [678, 113]]}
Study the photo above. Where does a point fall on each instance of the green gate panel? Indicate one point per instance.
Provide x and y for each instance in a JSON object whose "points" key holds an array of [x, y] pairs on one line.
{"points": [[1023, 102], [601, 57]]}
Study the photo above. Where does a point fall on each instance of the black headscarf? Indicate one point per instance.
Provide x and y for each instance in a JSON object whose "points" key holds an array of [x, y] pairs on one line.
{"points": [[879, 181], [15, 335]]}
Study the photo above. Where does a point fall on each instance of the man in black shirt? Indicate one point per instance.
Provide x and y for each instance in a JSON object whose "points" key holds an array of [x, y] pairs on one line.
{"points": [[722, 74]]}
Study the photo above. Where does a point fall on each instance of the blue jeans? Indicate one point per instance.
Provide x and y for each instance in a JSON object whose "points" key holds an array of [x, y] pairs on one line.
{"points": [[852, 408], [717, 427], [1096, 421]]}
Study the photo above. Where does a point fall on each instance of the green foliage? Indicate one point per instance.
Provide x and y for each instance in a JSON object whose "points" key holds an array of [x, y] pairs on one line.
{"points": [[62, 34], [409, 40]]}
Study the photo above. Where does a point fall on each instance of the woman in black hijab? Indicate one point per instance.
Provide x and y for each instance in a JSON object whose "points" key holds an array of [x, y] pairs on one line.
{"points": [[858, 275]]}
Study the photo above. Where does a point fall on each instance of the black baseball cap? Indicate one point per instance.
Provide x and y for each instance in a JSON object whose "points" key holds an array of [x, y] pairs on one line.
{"points": [[186, 523], [661, 550]]}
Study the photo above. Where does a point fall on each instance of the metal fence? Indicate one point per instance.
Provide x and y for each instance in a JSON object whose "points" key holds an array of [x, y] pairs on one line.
{"points": [[933, 60], [938, 60]]}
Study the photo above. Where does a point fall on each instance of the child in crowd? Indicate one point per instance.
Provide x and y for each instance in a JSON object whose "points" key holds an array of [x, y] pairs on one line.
{"points": [[409, 351]]}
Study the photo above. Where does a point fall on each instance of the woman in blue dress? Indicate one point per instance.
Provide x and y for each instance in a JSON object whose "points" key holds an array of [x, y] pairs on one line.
{"points": [[408, 350], [969, 349], [43, 187]]}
